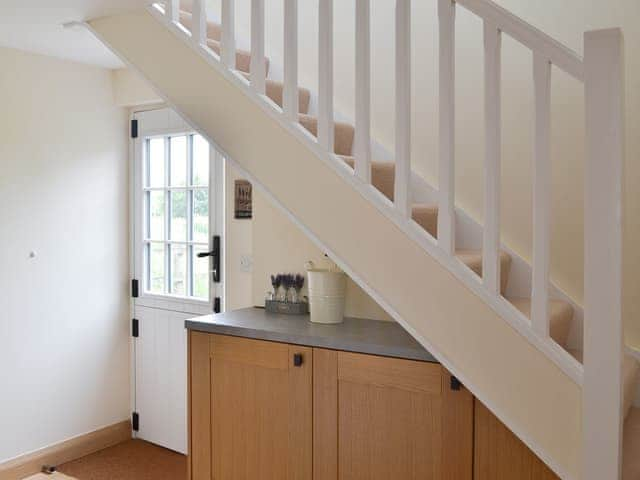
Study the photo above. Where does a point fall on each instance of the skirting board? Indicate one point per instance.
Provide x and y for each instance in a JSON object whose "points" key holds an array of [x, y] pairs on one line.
{"points": [[62, 452]]}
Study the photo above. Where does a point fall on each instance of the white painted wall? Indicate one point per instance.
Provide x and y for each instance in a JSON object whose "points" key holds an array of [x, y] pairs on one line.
{"points": [[64, 349]]}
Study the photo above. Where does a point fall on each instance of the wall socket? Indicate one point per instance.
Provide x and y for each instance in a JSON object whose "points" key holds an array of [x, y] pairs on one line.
{"points": [[246, 263]]}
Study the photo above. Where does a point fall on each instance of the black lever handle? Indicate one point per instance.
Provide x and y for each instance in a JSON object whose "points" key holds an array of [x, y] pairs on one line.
{"points": [[297, 359], [215, 253]]}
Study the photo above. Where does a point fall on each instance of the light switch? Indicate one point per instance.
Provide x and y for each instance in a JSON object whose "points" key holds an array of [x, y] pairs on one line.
{"points": [[246, 263]]}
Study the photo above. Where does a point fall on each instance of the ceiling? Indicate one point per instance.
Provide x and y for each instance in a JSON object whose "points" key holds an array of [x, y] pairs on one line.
{"points": [[36, 26]]}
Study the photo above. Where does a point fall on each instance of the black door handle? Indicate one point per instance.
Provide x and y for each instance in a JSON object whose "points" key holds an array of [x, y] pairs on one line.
{"points": [[215, 253], [297, 359]]}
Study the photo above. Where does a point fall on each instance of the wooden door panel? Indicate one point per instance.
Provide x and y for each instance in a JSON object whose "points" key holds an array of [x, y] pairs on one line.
{"points": [[500, 455], [250, 419], [261, 410], [390, 372], [270, 355], [388, 433], [380, 418]]}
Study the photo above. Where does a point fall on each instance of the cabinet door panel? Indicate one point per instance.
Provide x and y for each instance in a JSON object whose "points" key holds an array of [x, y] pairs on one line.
{"points": [[500, 455], [260, 410], [380, 418]]}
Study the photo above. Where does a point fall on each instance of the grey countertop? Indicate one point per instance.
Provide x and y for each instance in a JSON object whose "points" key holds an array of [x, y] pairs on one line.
{"points": [[374, 337]]}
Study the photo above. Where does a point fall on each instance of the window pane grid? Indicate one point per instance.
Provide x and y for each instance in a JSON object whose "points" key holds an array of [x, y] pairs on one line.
{"points": [[170, 229]]}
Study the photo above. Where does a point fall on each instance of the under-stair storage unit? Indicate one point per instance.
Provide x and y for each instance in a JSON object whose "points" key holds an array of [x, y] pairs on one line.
{"points": [[271, 409]]}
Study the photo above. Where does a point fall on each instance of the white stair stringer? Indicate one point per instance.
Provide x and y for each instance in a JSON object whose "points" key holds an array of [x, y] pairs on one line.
{"points": [[529, 382]]}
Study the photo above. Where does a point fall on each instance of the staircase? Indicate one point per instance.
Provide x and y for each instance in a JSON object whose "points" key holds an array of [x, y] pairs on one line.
{"points": [[512, 353]]}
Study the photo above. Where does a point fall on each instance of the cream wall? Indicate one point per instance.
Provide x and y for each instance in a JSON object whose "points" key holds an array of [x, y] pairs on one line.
{"points": [[64, 314], [565, 21], [280, 247]]}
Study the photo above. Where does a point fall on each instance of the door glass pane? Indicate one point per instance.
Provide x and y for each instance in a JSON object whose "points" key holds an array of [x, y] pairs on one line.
{"points": [[179, 216], [178, 269], [155, 165], [155, 211], [201, 215], [200, 161], [178, 176], [200, 273], [156, 273]]}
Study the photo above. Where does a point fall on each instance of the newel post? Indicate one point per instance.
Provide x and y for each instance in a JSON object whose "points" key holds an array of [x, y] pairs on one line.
{"points": [[603, 330]]}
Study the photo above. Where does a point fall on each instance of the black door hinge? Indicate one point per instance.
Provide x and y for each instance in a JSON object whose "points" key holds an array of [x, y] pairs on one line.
{"points": [[135, 327], [134, 128], [135, 421], [134, 288], [216, 305], [455, 383]]}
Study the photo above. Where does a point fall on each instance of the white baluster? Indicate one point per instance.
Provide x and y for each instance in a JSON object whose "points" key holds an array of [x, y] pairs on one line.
{"points": [[446, 162], [362, 140], [173, 10], [402, 186], [541, 196], [290, 96], [491, 231], [228, 37], [325, 78], [257, 66], [603, 209], [199, 22]]}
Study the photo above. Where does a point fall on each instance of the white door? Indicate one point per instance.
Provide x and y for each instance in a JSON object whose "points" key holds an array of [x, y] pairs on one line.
{"points": [[177, 264]]}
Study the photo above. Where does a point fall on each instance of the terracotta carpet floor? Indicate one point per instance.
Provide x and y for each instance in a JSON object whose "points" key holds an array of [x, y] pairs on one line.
{"points": [[132, 460]]}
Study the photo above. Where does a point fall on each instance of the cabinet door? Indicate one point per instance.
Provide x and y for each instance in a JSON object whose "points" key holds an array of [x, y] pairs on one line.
{"points": [[381, 418], [260, 418], [500, 455]]}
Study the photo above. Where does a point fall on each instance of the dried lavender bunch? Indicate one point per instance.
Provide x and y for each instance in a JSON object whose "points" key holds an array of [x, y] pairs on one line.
{"points": [[298, 282]]}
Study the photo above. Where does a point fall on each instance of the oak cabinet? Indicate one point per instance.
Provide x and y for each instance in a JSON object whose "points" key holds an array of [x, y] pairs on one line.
{"points": [[261, 410], [500, 455], [381, 418], [251, 409]]}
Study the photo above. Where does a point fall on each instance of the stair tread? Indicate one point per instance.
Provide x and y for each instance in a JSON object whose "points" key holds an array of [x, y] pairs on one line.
{"points": [[275, 91], [561, 313], [343, 133]]}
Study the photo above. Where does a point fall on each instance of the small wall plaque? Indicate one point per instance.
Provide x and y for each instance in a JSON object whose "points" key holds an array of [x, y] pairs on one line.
{"points": [[243, 201]]}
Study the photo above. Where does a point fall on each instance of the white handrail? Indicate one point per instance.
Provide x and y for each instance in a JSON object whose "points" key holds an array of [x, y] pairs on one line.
{"points": [[325, 75], [258, 71], [493, 146], [528, 35], [362, 140], [402, 193], [447, 128], [541, 196], [290, 95]]}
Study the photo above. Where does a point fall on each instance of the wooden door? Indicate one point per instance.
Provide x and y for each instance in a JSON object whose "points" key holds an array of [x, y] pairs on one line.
{"points": [[500, 455], [381, 418], [256, 413]]}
